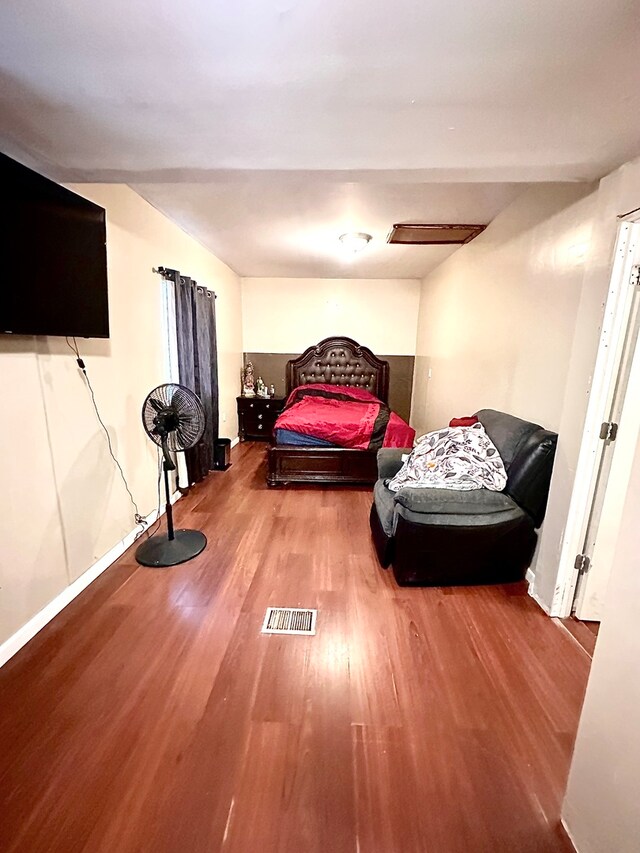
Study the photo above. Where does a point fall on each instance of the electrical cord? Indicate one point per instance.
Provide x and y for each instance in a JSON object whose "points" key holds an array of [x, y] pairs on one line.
{"points": [[139, 519], [151, 531]]}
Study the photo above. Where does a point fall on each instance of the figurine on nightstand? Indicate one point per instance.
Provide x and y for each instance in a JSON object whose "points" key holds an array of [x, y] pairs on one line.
{"points": [[272, 390], [261, 388], [248, 389]]}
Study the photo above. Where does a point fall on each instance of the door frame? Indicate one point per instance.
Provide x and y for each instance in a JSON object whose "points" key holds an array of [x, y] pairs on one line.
{"points": [[614, 326]]}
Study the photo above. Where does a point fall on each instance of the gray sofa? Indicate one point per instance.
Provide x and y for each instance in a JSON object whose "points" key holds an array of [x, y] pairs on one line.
{"points": [[437, 537]]}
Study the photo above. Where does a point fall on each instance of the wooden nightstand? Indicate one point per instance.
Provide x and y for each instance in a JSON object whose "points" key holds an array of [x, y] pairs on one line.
{"points": [[257, 415]]}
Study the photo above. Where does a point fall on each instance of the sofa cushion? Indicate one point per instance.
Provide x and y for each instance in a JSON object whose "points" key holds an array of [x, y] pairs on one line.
{"points": [[445, 507], [503, 518], [385, 504], [454, 502]]}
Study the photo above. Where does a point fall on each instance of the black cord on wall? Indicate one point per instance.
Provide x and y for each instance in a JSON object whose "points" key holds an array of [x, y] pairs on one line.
{"points": [[139, 519]]}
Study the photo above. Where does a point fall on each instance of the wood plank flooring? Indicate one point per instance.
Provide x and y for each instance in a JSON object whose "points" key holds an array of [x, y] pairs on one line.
{"points": [[152, 715], [584, 633]]}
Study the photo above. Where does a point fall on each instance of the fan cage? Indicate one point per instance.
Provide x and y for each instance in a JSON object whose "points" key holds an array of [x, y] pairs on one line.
{"points": [[185, 405]]}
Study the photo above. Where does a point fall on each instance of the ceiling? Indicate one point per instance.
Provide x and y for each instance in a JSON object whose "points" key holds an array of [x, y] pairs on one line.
{"points": [[288, 225], [266, 127]]}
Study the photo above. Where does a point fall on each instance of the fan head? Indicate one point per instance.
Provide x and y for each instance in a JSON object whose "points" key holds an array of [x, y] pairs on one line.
{"points": [[173, 416]]}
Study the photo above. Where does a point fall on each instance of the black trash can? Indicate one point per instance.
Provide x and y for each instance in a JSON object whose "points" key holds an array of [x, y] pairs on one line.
{"points": [[222, 454]]}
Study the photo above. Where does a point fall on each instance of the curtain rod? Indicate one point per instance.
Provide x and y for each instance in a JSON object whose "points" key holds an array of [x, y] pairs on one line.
{"points": [[628, 213], [165, 272]]}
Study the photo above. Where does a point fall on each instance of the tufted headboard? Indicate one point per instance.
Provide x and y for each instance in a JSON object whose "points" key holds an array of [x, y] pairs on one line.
{"points": [[340, 361]]}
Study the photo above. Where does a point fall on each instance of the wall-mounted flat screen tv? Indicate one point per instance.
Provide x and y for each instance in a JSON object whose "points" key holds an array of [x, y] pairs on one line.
{"points": [[53, 258]]}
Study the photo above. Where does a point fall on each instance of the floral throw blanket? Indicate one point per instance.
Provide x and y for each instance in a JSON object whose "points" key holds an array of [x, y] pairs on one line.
{"points": [[461, 458]]}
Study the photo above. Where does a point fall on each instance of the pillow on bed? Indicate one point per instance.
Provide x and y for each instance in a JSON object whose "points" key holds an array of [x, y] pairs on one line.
{"points": [[349, 390]]}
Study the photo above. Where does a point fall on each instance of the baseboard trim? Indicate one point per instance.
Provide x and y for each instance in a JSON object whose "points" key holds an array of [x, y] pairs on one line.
{"points": [[538, 600], [530, 576], [22, 636], [235, 441]]}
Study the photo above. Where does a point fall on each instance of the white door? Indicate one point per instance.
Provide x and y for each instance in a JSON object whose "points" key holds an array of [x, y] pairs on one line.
{"points": [[603, 530], [600, 482]]}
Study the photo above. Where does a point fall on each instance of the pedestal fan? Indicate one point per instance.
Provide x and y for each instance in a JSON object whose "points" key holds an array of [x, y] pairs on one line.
{"points": [[173, 417]]}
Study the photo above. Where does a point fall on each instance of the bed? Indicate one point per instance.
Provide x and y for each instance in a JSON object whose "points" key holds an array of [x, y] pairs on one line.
{"points": [[339, 362]]}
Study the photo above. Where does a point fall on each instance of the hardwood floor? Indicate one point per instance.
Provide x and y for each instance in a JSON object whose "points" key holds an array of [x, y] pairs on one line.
{"points": [[584, 633], [152, 715]]}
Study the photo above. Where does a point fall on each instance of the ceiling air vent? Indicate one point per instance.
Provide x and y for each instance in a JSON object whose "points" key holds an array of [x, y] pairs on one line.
{"points": [[419, 234]]}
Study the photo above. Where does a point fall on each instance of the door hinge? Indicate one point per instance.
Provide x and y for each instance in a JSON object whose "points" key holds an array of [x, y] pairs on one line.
{"points": [[608, 431], [634, 280], [582, 563]]}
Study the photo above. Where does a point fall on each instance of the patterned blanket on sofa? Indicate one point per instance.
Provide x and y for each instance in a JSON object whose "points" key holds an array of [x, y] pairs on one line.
{"points": [[461, 458]]}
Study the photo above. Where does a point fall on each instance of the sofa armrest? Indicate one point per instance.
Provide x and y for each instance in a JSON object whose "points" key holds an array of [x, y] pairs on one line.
{"points": [[390, 461]]}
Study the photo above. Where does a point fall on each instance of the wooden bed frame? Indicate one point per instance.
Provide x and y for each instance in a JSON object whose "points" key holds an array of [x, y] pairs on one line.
{"points": [[336, 361]]}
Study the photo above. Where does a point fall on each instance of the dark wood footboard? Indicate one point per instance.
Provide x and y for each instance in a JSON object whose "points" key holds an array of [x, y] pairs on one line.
{"points": [[289, 464]]}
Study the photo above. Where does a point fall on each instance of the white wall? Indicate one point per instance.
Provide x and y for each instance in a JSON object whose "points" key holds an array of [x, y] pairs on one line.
{"points": [[62, 506], [289, 314], [602, 804], [497, 327], [497, 317]]}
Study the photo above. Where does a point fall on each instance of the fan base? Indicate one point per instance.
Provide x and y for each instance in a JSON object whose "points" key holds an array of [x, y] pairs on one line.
{"points": [[159, 551]]}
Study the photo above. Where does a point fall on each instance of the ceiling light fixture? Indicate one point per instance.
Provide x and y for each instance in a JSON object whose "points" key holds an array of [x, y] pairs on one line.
{"points": [[354, 241]]}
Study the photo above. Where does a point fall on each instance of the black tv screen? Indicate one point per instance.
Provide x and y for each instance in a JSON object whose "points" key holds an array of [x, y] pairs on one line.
{"points": [[54, 258]]}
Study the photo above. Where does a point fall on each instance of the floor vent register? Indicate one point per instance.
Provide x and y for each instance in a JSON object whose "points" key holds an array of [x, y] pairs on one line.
{"points": [[289, 620]]}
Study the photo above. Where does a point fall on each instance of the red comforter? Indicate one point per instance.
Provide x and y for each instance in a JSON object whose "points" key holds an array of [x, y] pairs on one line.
{"points": [[348, 417]]}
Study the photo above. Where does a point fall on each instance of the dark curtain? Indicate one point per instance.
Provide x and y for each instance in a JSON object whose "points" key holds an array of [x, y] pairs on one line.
{"points": [[198, 364]]}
